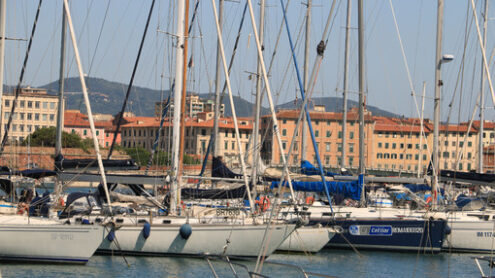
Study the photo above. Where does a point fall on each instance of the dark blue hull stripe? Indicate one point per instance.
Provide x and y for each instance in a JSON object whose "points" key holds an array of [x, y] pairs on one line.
{"points": [[405, 235]]}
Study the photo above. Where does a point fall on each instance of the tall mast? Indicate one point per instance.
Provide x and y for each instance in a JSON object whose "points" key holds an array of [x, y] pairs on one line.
{"points": [[183, 102], [346, 71], [60, 111], [3, 12], [256, 150], [482, 94], [179, 56], [361, 93], [421, 132], [305, 80], [436, 116], [88, 105], [216, 131]]}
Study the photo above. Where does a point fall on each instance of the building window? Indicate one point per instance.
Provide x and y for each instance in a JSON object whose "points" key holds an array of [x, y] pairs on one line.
{"points": [[424, 157], [284, 132], [340, 134], [317, 133], [21, 103], [29, 116], [52, 106], [21, 116], [416, 156], [21, 128], [394, 145], [351, 148], [328, 133], [401, 145], [233, 145], [37, 117], [393, 156], [446, 143], [226, 145], [379, 144], [469, 166], [339, 147], [284, 121], [97, 132], [401, 156], [7, 103], [351, 160], [36, 104], [386, 145], [351, 135], [327, 160], [417, 146], [284, 145], [44, 117], [379, 155], [45, 105], [85, 132], [469, 155], [409, 146], [445, 155], [327, 147], [6, 115], [470, 144]]}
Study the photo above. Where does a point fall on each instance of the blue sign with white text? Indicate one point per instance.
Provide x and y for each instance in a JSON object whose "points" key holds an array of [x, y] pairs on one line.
{"points": [[381, 230]]}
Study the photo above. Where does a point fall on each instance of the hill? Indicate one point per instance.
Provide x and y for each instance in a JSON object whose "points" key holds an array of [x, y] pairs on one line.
{"points": [[107, 97]]}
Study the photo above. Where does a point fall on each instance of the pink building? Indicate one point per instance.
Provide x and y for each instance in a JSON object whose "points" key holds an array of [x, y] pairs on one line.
{"points": [[76, 122]]}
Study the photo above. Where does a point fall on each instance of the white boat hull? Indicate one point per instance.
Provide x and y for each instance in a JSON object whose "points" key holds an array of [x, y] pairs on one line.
{"points": [[477, 236], [205, 239], [307, 239], [47, 241]]}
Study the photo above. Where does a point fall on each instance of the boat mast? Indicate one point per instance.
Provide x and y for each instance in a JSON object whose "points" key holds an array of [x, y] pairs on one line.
{"points": [[346, 71], [421, 132], [436, 116], [256, 145], [482, 94], [183, 102], [179, 56], [3, 12], [216, 131], [361, 94], [305, 79], [60, 111], [88, 105]]}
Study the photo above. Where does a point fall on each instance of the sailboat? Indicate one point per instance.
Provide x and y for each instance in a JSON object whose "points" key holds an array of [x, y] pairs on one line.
{"points": [[182, 235]]}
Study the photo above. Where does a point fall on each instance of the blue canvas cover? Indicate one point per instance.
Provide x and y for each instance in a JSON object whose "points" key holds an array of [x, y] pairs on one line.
{"points": [[309, 169], [349, 189]]}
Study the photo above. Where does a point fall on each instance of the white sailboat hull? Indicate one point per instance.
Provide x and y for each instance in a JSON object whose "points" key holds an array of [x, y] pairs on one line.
{"points": [[205, 239], [47, 241], [476, 236], [307, 239]]}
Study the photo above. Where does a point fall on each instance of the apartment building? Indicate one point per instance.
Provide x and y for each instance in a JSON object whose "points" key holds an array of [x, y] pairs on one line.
{"points": [[35, 109], [327, 128], [399, 145], [141, 131], [453, 152], [194, 105], [76, 122]]}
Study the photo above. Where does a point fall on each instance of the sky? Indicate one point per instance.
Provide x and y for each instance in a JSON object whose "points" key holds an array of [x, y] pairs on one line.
{"points": [[109, 33]]}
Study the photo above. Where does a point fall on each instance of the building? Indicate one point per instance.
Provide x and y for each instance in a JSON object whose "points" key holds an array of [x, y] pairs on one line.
{"points": [[327, 128], [76, 122], [141, 132], [35, 109], [398, 146], [488, 159], [451, 144], [194, 105]]}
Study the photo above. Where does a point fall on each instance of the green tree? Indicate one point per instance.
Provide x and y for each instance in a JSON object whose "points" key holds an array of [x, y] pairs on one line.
{"points": [[46, 137]]}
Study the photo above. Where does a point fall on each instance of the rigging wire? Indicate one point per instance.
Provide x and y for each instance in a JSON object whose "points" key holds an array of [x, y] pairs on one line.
{"points": [[129, 88], [21, 78]]}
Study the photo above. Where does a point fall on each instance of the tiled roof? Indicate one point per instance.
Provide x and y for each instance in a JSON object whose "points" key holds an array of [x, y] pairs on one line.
{"points": [[294, 114], [136, 122], [74, 118]]}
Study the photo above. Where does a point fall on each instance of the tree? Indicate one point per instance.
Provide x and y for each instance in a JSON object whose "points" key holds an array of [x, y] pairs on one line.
{"points": [[46, 137]]}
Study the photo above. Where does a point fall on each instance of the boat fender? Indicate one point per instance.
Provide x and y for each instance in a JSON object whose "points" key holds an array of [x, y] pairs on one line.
{"points": [[146, 230], [111, 235], [85, 222], [185, 231], [448, 230]]}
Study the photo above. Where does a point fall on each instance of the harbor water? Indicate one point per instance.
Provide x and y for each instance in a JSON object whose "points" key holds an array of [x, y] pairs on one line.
{"points": [[339, 263]]}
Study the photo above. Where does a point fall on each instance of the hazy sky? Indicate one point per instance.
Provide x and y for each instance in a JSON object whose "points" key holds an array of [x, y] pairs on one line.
{"points": [[109, 33]]}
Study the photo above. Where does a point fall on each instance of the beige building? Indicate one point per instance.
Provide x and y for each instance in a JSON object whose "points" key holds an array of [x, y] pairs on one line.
{"points": [[397, 144], [141, 131], [327, 128], [35, 109], [194, 105], [451, 145]]}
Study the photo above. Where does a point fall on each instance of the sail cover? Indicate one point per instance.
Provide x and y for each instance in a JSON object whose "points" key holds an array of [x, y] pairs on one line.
{"points": [[349, 189], [193, 193], [219, 169], [309, 169]]}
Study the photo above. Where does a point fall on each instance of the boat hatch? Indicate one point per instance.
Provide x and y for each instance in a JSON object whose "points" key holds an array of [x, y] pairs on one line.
{"points": [[142, 221], [119, 220], [166, 221]]}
